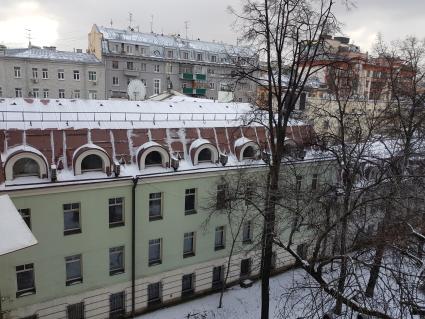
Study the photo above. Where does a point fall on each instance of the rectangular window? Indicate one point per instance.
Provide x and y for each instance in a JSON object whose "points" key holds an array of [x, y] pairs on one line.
{"points": [[143, 67], [298, 183], [221, 196], [212, 86], [46, 93], [18, 92], [155, 251], [199, 57], [154, 294], [75, 311], [117, 305], [219, 238], [73, 270], [190, 201], [245, 267], [130, 65], [45, 74], [169, 68], [36, 93], [92, 95], [76, 75], [189, 245], [314, 182], [61, 93], [247, 232], [116, 260], [188, 284], [116, 212], [17, 71], [1, 91], [214, 58], [156, 68], [25, 280], [26, 216], [156, 86], [155, 206], [77, 94], [34, 73], [217, 277], [249, 193], [61, 75], [170, 54], [71, 217], [115, 64], [129, 49], [115, 81], [185, 55], [92, 76]]}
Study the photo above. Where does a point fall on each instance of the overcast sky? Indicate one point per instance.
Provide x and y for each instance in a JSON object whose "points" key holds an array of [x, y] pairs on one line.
{"points": [[65, 23]]}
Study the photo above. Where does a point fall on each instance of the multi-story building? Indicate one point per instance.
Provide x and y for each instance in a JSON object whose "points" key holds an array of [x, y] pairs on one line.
{"points": [[117, 194], [48, 73], [163, 62]]}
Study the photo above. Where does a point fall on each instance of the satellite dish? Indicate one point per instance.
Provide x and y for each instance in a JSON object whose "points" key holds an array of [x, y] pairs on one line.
{"points": [[136, 90]]}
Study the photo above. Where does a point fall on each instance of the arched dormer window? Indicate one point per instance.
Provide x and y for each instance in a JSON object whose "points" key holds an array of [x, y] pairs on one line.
{"points": [[91, 158], [151, 154], [245, 149], [24, 161], [26, 167], [202, 151], [91, 163]]}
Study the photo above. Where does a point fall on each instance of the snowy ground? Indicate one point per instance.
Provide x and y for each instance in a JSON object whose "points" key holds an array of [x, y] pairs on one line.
{"points": [[238, 303]]}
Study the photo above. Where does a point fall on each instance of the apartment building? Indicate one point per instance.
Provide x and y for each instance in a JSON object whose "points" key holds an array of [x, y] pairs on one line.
{"points": [[47, 73], [118, 201], [163, 62]]}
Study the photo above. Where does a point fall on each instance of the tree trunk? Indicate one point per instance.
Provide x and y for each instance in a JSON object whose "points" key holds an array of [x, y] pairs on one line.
{"points": [[343, 271], [374, 272]]}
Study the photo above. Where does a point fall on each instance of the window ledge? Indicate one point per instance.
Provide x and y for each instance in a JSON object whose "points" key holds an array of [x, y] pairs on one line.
{"points": [[153, 218], [71, 232], [190, 212], [117, 224], [116, 272], [74, 282], [247, 242], [25, 293], [187, 255], [155, 263], [219, 247]]}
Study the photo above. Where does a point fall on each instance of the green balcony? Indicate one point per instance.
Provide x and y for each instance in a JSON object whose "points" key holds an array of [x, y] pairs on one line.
{"points": [[192, 91], [201, 77], [187, 76], [201, 91], [188, 91]]}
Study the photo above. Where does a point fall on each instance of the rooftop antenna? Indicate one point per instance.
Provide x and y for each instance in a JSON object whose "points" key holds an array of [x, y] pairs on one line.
{"points": [[111, 23], [186, 26], [28, 36], [151, 23], [130, 18]]}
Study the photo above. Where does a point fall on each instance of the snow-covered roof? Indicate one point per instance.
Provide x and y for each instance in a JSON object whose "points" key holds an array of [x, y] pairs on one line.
{"points": [[14, 233], [170, 41], [50, 54]]}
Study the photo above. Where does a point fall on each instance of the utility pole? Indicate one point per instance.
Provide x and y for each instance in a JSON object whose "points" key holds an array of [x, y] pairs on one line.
{"points": [[130, 17], [28, 36], [186, 26], [151, 23]]}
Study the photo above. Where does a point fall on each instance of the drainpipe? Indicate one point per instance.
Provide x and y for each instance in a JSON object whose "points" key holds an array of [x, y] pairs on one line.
{"points": [[133, 245]]}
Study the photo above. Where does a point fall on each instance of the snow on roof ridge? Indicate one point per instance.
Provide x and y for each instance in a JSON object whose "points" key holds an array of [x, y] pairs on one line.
{"points": [[49, 54]]}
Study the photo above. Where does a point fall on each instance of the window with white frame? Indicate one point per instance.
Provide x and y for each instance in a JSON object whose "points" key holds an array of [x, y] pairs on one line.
{"points": [[129, 49], [189, 244], [156, 68], [45, 74], [61, 93], [116, 260], [156, 86], [116, 212], [92, 95], [214, 58], [76, 75], [247, 232], [219, 238], [190, 201], [75, 311], [36, 93], [71, 219], [130, 65], [73, 270], [18, 92], [34, 73], [26, 216], [17, 71], [169, 68], [155, 252], [154, 293], [26, 167], [199, 56], [91, 163], [77, 94], [115, 81], [155, 206], [61, 74], [185, 55], [46, 93], [212, 86], [92, 76], [25, 280]]}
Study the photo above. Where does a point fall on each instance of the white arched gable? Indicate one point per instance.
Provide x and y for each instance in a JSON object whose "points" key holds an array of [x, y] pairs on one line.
{"points": [[148, 148], [86, 150], [25, 152], [243, 143], [201, 144]]}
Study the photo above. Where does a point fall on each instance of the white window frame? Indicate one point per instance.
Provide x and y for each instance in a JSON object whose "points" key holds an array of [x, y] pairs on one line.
{"points": [[92, 95], [74, 208], [17, 72], [61, 74], [156, 68], [156, 86], [155, 242], [26, 268], [18, 92], [45, 93], [36, 93], [45, 74], [120, 250], [76, 75], [189, 236], [92, 76], [61, 93], [74, 259], [34, 73], [222, 231], [115, 81]]}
